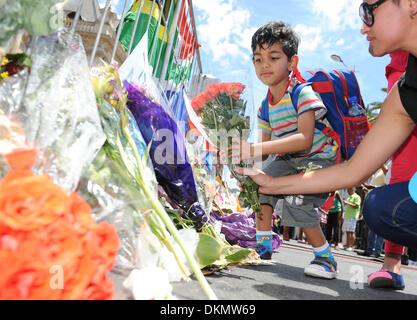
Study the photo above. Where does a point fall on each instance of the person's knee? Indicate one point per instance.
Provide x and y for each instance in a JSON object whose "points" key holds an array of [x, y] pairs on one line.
{"points": [[371, 211]]}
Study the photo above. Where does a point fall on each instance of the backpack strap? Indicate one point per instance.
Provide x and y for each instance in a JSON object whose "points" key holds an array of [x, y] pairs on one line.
{"points": [[327, 131], [296, 90], [265, 109]]}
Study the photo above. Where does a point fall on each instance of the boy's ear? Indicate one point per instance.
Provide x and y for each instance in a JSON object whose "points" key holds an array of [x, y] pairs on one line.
{"points": [[293, 63]]}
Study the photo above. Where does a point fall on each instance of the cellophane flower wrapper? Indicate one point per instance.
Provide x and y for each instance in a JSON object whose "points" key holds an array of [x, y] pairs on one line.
{"points": [[172, 169], [35, 16], [205, 178], [109, 182], [59, 108], [133, 215], [223, 114], [12, 88], [112, 197]]}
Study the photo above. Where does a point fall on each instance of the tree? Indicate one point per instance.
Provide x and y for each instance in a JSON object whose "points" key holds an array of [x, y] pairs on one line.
{"points": [[372, 109]]}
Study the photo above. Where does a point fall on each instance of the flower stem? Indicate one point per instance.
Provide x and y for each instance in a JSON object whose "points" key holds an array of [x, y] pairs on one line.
{"points": [[160, 210]]}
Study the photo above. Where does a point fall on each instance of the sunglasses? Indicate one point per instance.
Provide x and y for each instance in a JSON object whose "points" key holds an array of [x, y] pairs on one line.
{"points": [[366, 12]]}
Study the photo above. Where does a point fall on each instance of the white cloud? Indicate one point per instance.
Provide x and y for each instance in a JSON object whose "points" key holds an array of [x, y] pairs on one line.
{"points": [[223, 28], [334, 17], [337, 15], [311, 37], [340, 42]]}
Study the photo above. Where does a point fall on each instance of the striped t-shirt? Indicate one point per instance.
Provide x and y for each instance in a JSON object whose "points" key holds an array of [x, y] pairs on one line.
{"points": [[283, 121]]}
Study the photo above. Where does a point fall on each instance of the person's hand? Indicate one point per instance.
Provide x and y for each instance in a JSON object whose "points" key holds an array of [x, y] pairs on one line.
{"points": [[264, 181], [240, 150]]}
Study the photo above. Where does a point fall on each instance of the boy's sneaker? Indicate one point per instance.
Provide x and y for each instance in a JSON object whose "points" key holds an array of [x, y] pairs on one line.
{"points": [[322, 267], [262, 251], [386, 279]]}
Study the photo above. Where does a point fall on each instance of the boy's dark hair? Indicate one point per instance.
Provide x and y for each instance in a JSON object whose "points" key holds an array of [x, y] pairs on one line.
{"points": [[276, 32]]}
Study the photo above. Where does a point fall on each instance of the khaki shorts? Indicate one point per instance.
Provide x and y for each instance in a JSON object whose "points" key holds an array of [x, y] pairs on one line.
{"points": [[298, 210], [349, 225]]}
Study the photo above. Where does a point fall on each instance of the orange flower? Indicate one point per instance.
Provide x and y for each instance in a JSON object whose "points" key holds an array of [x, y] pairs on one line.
{"points": [[233, 89], [28, 201], [50, 245], [201, 100], [22, 158], [212, 89]]}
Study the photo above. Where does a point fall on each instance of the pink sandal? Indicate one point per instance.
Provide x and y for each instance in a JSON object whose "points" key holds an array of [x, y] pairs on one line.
{"points": [[386, 279]]}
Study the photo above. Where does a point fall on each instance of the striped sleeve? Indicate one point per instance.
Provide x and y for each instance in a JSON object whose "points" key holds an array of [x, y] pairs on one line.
{"points": [[310, 100], [263, 124]]}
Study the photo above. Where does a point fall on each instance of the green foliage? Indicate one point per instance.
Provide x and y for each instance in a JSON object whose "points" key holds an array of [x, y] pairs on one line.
{"points": [[372, 109]]}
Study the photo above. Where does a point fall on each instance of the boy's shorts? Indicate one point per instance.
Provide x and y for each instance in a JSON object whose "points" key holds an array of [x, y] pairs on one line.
{"points": [[349, 225], [298, 210]]}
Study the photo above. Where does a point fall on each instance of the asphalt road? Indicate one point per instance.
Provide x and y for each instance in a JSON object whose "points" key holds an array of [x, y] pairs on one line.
{"points": [[283, 279]]}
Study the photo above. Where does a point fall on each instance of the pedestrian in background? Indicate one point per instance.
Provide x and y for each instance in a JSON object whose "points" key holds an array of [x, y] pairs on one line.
{"points": [[334, 220], [376, 242], [352, 213]]}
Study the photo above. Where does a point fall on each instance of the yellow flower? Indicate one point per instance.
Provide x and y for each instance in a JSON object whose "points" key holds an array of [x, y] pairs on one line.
{"points": [[5, 61], [4, 75]]}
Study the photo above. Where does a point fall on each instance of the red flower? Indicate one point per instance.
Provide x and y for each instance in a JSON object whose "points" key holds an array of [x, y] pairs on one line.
{"points": [[201, 100], [213, 89], [233, 89]]}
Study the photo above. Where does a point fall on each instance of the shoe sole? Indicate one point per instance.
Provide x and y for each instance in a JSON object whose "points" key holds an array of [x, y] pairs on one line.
{"points": [[384, 283], [319, 273]]}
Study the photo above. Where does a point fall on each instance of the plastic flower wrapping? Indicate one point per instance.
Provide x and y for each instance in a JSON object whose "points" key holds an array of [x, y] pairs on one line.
{"points": [[205, 178], [39, 17], [58, 110], [109, 183], [50, 245], [167, 151], [222, 112], [149, 238]]}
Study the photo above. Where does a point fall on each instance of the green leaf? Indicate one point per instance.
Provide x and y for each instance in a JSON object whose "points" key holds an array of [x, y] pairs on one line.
{"points": [[208, 250], [238, 256]]}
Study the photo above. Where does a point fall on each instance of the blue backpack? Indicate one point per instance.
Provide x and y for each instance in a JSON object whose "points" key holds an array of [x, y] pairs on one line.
{"points": [[335, 88]]}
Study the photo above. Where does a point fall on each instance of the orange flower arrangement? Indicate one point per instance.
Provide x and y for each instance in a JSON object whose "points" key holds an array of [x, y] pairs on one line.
{"points": [[233, 89], [50, 245]]}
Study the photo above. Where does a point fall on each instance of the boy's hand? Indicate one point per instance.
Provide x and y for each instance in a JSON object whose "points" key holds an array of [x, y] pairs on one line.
{"points": [[241, 150], [264, 181]]}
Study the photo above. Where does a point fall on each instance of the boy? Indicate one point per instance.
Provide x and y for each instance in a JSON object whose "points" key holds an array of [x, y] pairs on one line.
{"points": [[288, 132], [395, 123], [353, 208]]}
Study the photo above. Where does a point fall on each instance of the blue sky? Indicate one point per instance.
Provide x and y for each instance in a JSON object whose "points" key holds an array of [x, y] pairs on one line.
{"points": [[326, 27]]}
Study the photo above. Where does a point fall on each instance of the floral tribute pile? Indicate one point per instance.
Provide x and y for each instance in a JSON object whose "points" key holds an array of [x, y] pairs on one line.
{"points": [[50, 245]]}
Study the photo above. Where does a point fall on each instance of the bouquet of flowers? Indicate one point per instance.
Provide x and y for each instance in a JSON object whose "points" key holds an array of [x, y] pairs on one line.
{"points": [[223, 113], [13, 64], [124, 145]]}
